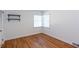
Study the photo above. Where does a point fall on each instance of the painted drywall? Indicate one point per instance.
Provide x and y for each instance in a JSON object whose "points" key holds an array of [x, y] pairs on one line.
{"points": [[0, 21], [24, 27], [0, 27], [64, 24]]}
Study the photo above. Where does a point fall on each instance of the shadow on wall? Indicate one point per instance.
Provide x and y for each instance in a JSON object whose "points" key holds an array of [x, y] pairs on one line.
{"points": [[62, 33]]}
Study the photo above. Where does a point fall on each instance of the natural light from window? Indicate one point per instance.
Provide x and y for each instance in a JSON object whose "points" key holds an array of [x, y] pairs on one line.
{"points": [[46, 20], [41, 20], [37, 20]]}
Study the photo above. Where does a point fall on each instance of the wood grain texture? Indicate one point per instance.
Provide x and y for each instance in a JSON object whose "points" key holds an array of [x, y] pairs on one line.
{"points": [[36, 41]]}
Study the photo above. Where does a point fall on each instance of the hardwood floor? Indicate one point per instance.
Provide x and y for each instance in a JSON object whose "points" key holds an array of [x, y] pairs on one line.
{"points": [[36, 41]]}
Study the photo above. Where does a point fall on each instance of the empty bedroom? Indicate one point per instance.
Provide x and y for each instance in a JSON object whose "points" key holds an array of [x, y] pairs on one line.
{"points": [[39, 28]]}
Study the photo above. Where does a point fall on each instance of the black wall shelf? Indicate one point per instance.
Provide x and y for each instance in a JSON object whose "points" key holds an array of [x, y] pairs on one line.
{"points": [[13, 17]]}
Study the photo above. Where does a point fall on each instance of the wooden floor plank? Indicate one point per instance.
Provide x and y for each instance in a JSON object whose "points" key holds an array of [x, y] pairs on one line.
{"points": [[36, 41]]}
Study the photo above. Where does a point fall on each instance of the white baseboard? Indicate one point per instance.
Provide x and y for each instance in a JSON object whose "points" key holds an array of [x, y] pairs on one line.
{"points": [[58, 38], [1, 42], [21, 36]]}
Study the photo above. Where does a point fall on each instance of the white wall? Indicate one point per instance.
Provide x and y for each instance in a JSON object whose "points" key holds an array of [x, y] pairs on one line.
{"points": [[64, 25], [0, 27], [0, 21], [14, 29]]}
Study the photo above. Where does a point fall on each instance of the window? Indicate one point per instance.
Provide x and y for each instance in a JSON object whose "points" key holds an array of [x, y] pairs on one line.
{"points": [[41, 20], [37, 20], [46, 20]]}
